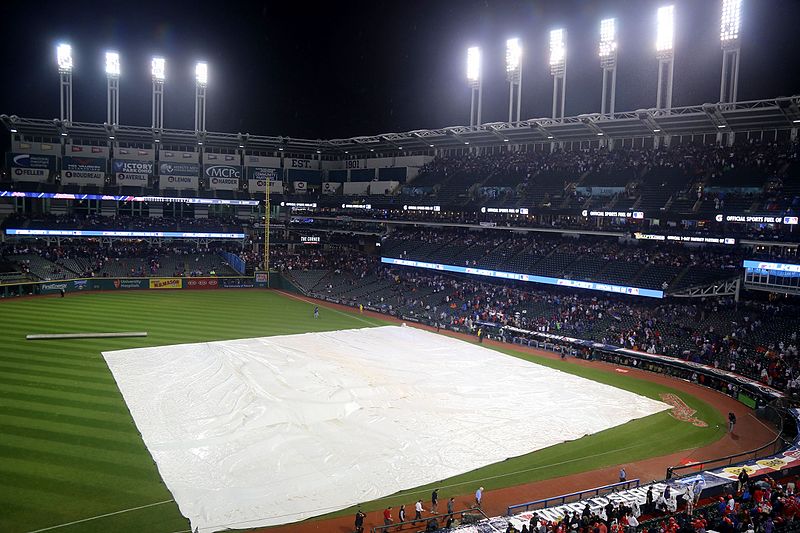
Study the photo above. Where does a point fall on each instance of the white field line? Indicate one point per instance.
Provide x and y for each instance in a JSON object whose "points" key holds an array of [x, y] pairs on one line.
{"points": [[102, 516]]}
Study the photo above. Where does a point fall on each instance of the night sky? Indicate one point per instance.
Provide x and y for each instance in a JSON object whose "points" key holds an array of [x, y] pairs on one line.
{"points": [[340, 69]]}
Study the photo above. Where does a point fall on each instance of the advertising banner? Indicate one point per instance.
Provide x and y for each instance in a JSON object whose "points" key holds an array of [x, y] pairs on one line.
{"points": [[123, 284], [223, 176], [222, 171], [128, 166], [29, 174], [237, 283], [83, 164], [355, 163], [178, 169], [309, 164], [184, 157], [228, 184], [166, 283], [85, 149], [230, 159], [139, 154], [132, 180], [32, 161], [300, 186], [263, 173], [178, 182], [202, 283], [330, 187], [76, 177], [260, 185]]}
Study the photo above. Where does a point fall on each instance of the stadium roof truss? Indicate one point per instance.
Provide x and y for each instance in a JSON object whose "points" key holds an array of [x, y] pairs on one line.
{"points": [[781, 113]]}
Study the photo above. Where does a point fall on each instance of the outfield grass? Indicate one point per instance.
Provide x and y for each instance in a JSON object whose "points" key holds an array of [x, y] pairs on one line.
{"points": [[69, 449]]}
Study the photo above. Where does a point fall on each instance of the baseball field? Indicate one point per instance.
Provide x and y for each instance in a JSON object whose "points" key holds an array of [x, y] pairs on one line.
{"points": [[71, 458]]}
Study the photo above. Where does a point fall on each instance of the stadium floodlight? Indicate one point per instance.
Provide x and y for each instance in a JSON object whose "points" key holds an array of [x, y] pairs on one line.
{"points": [[608, 38], [475, 83], [159, 71], [514, 75], [112, 73], [665, 43], [558, 49], [64, 57], [608, 60], [112, 64], [513, 55], [159, 68], [64, 61], [201, 73], [558, 68], [730, 23], [665, 29], [473, 64], [731, 20]]}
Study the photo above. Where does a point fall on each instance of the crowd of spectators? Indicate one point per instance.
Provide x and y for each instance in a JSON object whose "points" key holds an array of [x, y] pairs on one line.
{"points": [[122, 223]]}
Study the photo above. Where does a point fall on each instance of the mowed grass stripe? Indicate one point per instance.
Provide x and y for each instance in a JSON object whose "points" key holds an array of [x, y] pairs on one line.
{"points": [[55, 372], [66, 411]]}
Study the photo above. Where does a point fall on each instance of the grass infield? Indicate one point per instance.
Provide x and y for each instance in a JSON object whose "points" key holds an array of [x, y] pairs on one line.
{"points": [[70, 450]]}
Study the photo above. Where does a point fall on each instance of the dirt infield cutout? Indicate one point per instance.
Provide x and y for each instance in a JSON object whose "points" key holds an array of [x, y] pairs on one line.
{"points": [[681, 411]]}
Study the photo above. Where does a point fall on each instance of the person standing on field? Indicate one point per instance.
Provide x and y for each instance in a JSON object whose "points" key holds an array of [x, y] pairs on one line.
{"points": [[478, 496], [418, 511], [434, 501]]}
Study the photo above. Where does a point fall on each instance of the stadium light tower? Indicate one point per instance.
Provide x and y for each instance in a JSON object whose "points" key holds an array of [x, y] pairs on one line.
{"points": [[608, 61], [730, 24], [64, 59], [159, 74], [475, 83], [112, 74], [665, 52], [558, 68], [201, 77], [514, 75]]}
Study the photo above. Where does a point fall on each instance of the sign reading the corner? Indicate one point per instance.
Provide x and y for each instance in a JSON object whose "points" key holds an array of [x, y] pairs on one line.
{"points": [[166, 283]]}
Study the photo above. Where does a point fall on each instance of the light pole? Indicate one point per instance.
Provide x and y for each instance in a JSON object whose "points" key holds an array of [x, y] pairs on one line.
{"points": [[475, 83], [64, 59], [608, 62], [201, 77], [665, 40], [558, 68], [730, 24], [112, 74], [159, 74], [514, 76]]}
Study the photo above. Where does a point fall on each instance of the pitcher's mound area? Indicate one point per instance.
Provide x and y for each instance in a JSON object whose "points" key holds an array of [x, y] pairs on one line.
{"points": [[258, 432]]}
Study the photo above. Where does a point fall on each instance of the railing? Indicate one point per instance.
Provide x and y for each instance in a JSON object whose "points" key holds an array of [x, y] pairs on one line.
{"points": [[771, 448], [622, 485], [413, 524]]}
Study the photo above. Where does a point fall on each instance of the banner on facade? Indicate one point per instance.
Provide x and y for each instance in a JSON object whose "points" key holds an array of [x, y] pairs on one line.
{"points": [[76, 177]]}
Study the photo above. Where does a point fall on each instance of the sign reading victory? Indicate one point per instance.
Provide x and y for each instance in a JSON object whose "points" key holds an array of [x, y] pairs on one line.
{"points": [[128, 166]]}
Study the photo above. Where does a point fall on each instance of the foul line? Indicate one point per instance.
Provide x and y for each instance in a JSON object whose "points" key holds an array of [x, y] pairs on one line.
{"points": [[323, 302], [102, 516]]}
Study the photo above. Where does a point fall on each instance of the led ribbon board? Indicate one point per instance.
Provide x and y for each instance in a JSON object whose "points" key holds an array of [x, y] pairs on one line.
{"points": [[591, 285], [118, 198], [110, 233]]}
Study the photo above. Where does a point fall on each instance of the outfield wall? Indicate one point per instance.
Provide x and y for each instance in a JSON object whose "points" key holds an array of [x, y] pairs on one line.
{"points": [[36, 288]]}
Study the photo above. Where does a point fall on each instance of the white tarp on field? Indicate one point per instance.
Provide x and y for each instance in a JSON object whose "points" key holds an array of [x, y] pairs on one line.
{"points": [[257, 432]]}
